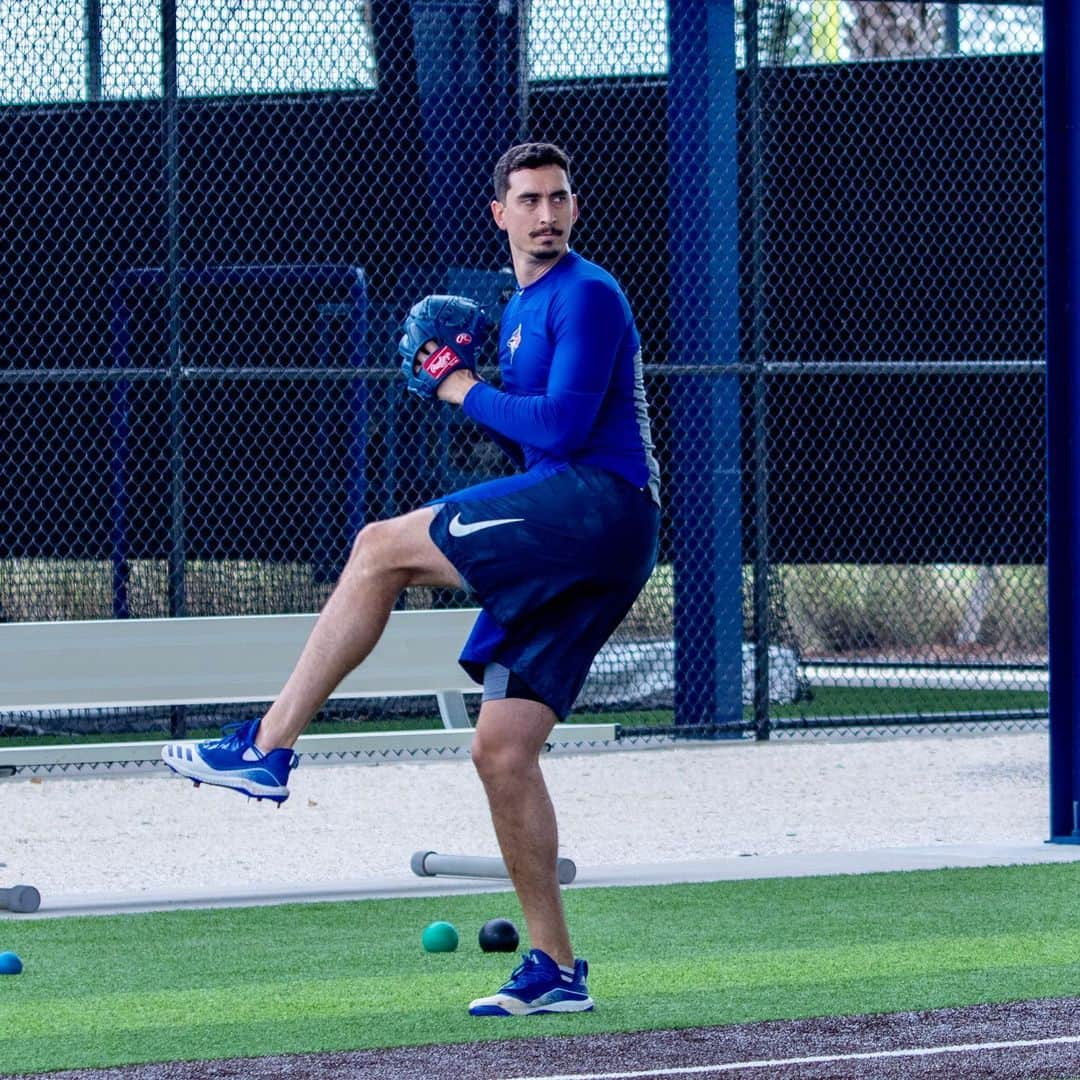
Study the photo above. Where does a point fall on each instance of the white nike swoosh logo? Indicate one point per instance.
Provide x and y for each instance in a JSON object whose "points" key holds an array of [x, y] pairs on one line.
{"points": [[460, 528]]}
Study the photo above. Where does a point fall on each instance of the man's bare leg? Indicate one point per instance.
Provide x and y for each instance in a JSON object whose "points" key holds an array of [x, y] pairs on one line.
{"points": [[386, 557], [510, 736]]}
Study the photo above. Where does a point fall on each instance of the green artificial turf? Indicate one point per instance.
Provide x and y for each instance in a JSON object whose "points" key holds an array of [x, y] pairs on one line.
{"points": [[875, 701], [308, 977]]}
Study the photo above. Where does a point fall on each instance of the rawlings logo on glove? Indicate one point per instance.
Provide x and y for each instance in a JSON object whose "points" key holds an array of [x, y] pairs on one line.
{"points": [[458, 327], [440, 363]]}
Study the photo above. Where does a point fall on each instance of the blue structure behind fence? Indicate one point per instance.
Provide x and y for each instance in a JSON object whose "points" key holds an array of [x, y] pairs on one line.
{"points": [[1062, 83]]}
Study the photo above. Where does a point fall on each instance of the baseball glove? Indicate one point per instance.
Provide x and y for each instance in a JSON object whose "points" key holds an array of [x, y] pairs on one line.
{"points": [[458, 327]]}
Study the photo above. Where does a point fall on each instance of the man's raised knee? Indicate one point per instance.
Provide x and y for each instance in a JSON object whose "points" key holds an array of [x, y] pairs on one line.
{"points": [[369, 542], [403, 545]]}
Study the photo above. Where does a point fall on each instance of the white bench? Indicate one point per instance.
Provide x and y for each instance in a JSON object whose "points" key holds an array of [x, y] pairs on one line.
{"points": [[225, 660]]}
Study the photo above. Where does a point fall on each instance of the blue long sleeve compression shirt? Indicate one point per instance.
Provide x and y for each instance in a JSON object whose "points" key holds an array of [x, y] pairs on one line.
{"points": [[573, 391]]}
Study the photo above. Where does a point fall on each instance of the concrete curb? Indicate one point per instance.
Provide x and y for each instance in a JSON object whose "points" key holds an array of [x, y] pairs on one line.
{"points": [[738, 868]]}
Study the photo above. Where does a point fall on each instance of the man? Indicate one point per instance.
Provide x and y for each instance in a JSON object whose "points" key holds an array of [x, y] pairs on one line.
{"points": [[556, 555]]}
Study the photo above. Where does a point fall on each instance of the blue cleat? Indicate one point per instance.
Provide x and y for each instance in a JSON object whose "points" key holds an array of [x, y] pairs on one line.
{"points": [[234, 761], [538, 985]]}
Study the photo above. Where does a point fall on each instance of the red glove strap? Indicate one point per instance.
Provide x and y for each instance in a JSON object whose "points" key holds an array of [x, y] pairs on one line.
{"points": [[441, 362]]}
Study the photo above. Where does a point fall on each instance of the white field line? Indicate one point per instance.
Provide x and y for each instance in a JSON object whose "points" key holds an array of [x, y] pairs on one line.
{"points": [[824, 1059]]}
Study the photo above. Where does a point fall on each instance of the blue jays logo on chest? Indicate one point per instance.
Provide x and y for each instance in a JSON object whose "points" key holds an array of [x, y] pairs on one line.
{"points": [[514, 341]]}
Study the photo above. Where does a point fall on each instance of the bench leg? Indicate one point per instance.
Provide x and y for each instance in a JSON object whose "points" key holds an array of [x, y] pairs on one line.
{"points": [[452, 709]]}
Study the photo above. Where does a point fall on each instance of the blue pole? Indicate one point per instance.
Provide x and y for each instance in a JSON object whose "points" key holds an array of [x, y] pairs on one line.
{"points": [[119, 448], [170, 146], [706, 481], [468, 72], [358, 417], [1061, 89], [324, 556]]}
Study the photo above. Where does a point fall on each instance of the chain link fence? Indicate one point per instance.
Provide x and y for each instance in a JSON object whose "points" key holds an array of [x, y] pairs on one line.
{"points": [[896, 323], [215, 216]]}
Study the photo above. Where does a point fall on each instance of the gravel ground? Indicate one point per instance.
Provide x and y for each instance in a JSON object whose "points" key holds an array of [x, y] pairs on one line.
{"points": [[152, 832], [1025, 1040]]}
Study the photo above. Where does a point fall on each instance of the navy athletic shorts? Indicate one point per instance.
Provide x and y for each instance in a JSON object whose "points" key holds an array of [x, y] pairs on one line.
{"points": [[556, 556]]}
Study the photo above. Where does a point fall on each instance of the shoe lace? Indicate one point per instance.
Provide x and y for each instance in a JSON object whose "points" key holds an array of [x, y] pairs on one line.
{"points": [[233, 736], [528, 971], [236, 738]]}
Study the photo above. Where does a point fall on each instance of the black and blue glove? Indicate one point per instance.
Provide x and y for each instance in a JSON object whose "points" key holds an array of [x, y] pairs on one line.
{"points": [[457, 325]]}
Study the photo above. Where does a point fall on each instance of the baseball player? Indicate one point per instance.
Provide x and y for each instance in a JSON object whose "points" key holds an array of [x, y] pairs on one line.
{"points": [[555, 554]]}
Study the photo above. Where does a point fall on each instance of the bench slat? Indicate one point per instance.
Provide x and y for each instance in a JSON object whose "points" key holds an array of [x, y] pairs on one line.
{"points": [[212, 660]]}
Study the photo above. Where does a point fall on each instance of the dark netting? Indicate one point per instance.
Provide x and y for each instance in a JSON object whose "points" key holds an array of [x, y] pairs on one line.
{"points": [[893, 173], [833, 254]]}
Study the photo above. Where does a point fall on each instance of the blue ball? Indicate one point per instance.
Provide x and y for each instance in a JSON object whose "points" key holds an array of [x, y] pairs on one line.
{"points": [[10, 964]]}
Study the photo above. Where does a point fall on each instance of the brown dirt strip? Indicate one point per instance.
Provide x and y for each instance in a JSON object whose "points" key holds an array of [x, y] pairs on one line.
{"points": [[695, 1048]]}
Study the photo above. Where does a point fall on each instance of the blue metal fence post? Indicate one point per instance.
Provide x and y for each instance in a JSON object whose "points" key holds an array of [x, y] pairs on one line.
{"points": [[332, 548], [705, 487], [170, 148], [358, 413], [1061, 74], [469, 79], [119, 447]]}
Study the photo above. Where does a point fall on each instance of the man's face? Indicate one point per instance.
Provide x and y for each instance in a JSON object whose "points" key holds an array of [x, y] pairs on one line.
{"points": [[538, 213]]}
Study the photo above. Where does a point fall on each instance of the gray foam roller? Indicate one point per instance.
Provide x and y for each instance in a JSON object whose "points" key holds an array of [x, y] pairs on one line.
{"points": [[417, 863], [431, 863], [22, 898]]}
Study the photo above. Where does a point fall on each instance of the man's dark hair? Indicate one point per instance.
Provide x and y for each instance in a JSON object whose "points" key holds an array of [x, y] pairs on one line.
{"points": [[533, 155]]}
